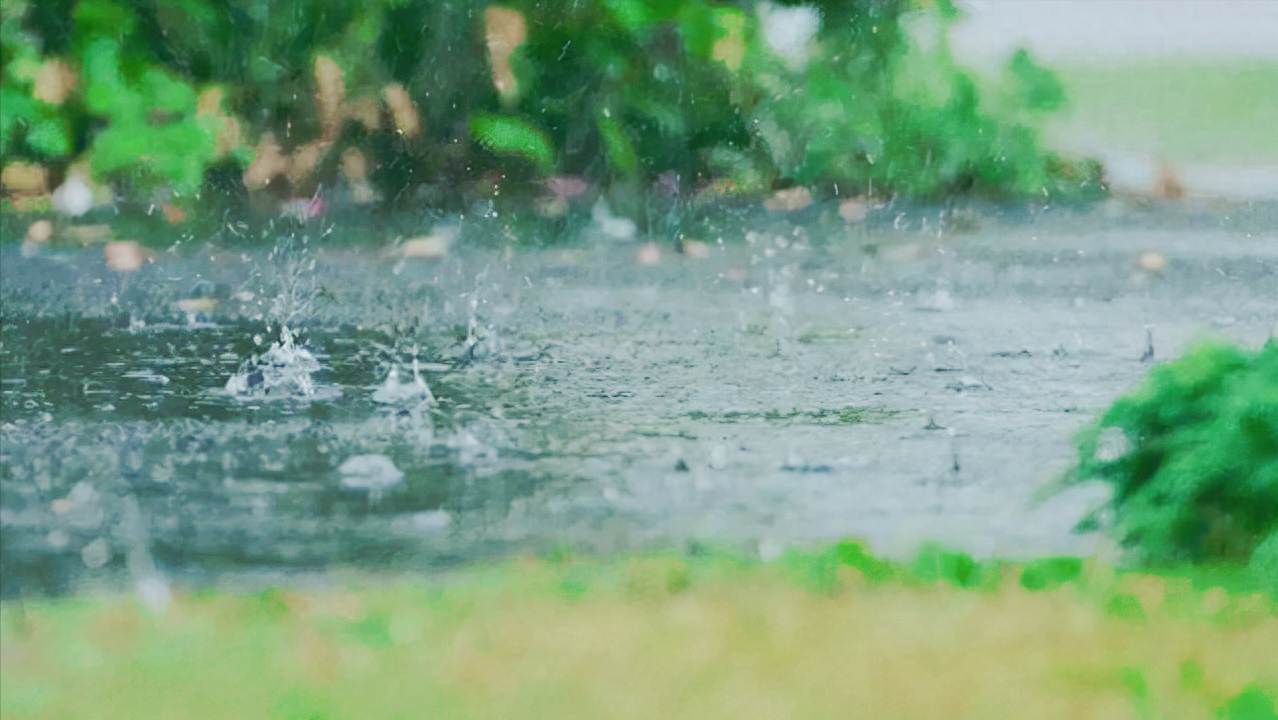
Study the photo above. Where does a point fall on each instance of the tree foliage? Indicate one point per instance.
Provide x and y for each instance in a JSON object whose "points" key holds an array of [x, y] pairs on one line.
{"points": [[617, 91]]}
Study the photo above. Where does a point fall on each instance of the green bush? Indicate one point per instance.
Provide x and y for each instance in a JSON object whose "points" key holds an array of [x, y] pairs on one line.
{"points": [[618, 91], [134, 119], [1192, 455]]}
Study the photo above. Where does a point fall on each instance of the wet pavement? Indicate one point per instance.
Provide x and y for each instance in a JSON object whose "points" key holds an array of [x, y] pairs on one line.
{"points": [[808, 381]]}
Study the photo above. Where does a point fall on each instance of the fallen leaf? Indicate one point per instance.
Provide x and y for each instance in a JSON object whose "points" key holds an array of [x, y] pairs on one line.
{"points": [[789, 200], [173, 213], [268, 162]]}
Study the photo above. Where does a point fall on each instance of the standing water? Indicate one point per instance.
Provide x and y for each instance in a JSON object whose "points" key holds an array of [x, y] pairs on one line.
{"points": [[807, 381]]}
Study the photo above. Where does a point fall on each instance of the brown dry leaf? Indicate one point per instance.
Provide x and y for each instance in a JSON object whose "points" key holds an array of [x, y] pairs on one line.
{"points": [[566, 187], [229, 136], [407, 121], [268, 162], [330, 90], [505, 31], [853, 210], [25, 179], [789, 200], [173, 214], [1168, 185], [209, 102], [230, 133], [365, 111], [304, 161], [124, 255], [354, 166], [54, 81]]}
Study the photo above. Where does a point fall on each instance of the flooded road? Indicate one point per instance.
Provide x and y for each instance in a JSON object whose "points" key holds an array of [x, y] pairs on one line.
{"points": [[805, 382]]}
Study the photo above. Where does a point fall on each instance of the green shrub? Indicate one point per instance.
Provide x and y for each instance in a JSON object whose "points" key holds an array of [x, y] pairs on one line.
{"points": [[619, 91], [135, 120], [1192, 455]]}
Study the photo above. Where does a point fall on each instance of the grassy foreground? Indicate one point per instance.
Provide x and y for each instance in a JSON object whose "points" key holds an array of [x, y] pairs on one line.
{"points": [[836, 635]]}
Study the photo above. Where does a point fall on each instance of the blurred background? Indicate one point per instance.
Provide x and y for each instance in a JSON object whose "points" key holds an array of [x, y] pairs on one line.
{"points": [[300, 106], [1194, 84]]}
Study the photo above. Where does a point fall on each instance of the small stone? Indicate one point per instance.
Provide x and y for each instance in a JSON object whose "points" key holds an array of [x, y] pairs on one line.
{"points": [[124, 255], [431, 521], [681, 466], [696, 249], [1152, 262], [853, 210], [430, 247], [96, 554], [789, 200], [74, 197], [39, 231], [649, 254]]}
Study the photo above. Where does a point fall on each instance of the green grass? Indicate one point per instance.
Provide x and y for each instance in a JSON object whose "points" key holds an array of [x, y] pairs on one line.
{"points": [[1206, 113], [834, 633]]}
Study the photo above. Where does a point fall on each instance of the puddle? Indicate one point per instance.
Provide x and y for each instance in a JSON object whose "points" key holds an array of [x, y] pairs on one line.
{"points": [[804, 383]]}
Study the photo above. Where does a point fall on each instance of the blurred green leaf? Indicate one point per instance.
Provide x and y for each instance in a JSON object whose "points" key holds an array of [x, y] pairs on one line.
{"points": [[515, 136], [1049, 572], [50, 137], [620, 152]]}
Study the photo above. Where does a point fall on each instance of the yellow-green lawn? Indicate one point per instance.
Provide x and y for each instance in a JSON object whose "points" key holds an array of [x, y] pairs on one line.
{"points": [[1222, 113], [656, 637]]}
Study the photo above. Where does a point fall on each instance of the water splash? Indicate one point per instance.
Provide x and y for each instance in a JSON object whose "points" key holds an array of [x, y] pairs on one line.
{"points": [[282, 372], [374, 473], [411, 398]]}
